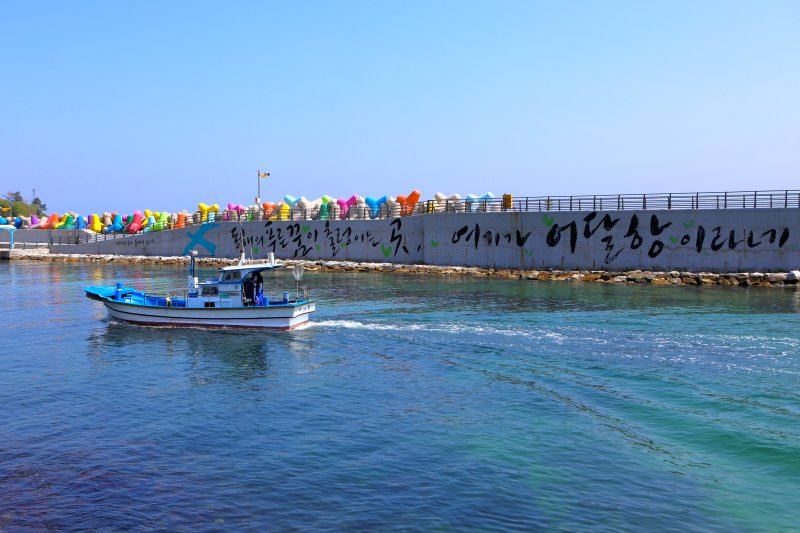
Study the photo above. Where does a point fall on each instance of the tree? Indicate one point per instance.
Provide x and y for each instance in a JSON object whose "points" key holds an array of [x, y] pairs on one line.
{"points": [[41, 207], [20, 207]]}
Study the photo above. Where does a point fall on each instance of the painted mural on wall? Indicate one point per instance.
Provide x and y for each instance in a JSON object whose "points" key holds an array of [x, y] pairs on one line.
{"points": [[654, 234], [301, 240], [726, 239]]}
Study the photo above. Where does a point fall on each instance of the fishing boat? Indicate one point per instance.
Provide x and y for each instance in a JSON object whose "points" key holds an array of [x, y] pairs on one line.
{"points": [[235, 299]]}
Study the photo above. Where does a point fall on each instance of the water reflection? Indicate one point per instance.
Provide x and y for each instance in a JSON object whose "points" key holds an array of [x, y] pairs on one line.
{"points": [[212, 355]]}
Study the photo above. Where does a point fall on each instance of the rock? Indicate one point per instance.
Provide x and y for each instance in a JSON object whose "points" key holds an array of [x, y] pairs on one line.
{"points": [[793, 276], [637, 276], [777, 277]]}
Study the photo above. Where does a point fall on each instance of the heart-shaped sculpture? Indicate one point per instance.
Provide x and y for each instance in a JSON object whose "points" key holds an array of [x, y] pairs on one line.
{"points": [[324, 211], [394, 207], [359, 211], [149, 223], [55, 220], [407, 203], [345, 205], [116, 226], [375, 204], [478, 203], [180, 222], [163, 221], [447, 203], [96, 225], [305, 208], [207, 212], [136, 224]]}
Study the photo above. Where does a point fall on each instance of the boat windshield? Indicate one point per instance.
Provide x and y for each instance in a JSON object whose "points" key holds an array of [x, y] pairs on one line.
{"points": [[231, 275]]}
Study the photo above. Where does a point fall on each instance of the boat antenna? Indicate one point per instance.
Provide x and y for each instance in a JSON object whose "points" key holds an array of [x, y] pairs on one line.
{"points": [[297, 273], [241, 230]]}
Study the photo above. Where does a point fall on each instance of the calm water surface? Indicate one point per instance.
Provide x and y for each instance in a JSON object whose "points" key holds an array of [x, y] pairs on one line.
{"points": [[411, 403]]}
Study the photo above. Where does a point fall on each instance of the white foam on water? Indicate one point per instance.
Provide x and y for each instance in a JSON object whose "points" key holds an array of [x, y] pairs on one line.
{"points": [[352, 324], [450, 328]]}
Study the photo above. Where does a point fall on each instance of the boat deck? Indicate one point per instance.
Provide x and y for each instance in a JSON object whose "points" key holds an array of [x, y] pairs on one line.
{"points": [[134, 297]]}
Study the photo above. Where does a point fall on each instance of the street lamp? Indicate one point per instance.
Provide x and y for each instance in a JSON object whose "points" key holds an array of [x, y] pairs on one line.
{"points": [[261, 175]]}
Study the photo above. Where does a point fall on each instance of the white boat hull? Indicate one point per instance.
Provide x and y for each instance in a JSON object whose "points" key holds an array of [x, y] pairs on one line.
{"points": [[272, 316]]}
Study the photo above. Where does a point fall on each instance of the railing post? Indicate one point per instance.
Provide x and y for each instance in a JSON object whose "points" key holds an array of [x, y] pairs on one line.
{"points": [[725, 206], [570, 203], [755, 196], [594, 203], [669, 201], [786, 199], [618, 203], [644, 201]]}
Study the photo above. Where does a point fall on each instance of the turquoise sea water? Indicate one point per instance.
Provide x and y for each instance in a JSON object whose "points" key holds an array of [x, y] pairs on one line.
{"points": [[411, 403]]}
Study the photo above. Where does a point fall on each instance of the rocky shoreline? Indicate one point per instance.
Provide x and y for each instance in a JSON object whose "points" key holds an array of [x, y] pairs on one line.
{"points": [[734, 279]]}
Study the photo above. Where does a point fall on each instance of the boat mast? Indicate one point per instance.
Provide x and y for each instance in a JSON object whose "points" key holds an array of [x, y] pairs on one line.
{"points": [[192, 278]]}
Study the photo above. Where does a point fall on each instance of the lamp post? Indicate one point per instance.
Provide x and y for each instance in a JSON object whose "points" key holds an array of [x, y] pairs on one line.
{"points": [[260, 176]]}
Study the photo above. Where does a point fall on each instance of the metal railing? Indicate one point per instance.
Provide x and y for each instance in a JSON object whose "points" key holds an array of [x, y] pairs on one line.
{"points": [[652, 202], [506, 203]]}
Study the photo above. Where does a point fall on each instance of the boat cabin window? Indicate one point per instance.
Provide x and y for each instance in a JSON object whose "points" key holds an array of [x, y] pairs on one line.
{"points": [[231, 275], [210, 291]]}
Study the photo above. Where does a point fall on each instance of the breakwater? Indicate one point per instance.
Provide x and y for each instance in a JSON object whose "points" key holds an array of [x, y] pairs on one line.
{"points": [[788, 280], [710, 240]]}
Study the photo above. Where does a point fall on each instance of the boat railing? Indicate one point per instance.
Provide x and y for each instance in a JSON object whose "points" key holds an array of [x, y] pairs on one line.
{"points": [[175, 298]]}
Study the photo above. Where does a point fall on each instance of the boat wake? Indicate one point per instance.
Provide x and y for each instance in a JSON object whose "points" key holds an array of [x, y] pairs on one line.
{"points": [[353, 324], [439, 327]]}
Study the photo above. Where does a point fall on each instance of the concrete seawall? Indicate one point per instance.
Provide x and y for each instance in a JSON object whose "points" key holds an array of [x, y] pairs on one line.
{"points": [[731, 240]]}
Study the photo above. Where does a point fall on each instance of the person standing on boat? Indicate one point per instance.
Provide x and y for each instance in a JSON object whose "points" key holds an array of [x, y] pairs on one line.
{"points": [[247, 291], [259, 289]]}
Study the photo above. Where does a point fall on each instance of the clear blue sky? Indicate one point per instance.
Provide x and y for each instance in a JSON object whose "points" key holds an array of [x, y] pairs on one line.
{"points": [[126, 105]]}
